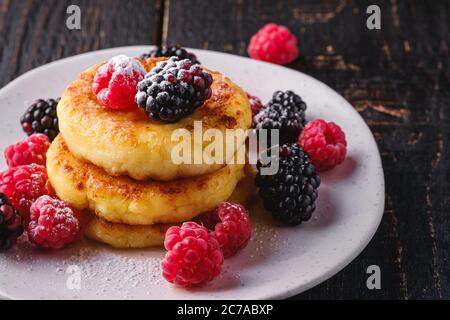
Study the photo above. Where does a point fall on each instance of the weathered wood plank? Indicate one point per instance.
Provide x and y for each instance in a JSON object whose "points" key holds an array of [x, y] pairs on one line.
{"points": [[34, 32], [398, 78]]}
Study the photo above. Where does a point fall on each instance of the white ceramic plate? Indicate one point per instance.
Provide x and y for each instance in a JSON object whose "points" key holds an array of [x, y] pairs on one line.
{"points": [[279, 261]]}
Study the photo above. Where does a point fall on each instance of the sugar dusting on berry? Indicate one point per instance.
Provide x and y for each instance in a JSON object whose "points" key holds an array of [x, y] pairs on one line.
{"points": [[173, 89], [126, 66], [115, 82], [325, 143]]}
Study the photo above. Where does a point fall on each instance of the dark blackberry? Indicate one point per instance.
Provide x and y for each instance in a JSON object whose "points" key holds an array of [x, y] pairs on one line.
{"points": [[291, 192], [10, 224], [285, 112], [173, 89], [171, 51], [41, 118]]}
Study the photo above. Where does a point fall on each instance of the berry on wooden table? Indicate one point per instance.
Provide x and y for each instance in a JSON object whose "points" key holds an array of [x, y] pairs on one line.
{"points": [[273, 43]]}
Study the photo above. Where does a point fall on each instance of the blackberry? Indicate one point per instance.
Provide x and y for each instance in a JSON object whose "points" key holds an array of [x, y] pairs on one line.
{"points": [[285, 112], [10, 224], [41, 117], [171, 51], [173, 89], [290, 194]]}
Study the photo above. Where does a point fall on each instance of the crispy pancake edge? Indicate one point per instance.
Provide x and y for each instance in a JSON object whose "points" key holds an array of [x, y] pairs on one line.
{"points": [[129, 143]]}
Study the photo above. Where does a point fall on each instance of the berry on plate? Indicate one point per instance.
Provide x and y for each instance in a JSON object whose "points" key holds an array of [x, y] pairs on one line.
{"points": [[115, 82], [284, 112], [173, 89], [41, 117], [234, 229], [10, 224], [53, 223], [273, 43], [290, 194], [22, 185], [171, 51], [28, 151], [255, 104], [194, 256], [325, 143]]}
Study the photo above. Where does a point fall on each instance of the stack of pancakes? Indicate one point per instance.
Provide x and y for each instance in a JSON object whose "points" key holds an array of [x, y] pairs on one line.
{"points": [[116, 167]]}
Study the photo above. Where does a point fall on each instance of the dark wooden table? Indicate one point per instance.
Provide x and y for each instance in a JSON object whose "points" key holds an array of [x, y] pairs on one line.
{"points": [[398, 78]]}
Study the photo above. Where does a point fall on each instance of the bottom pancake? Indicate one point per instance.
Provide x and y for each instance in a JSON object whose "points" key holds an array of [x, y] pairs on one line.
{"points": [[120, 235]]}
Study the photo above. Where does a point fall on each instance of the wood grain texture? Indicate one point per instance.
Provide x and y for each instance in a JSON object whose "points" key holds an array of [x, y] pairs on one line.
{"points": [[398, 78], [34, 32]]}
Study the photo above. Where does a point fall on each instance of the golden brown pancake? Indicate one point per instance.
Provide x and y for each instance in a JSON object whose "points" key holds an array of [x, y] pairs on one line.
{"points": [[125, 200], [119, 235], [129, 143]]}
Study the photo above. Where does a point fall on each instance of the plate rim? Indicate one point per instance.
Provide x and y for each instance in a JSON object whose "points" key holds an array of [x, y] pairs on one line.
{"points": [[290, 290]]}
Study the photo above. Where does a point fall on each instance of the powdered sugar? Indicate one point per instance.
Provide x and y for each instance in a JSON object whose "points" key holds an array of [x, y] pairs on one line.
{"points": [[124, 65], [115, 82]]}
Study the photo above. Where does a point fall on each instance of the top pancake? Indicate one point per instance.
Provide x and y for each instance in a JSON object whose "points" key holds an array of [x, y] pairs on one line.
{"points": [[129, 143]]}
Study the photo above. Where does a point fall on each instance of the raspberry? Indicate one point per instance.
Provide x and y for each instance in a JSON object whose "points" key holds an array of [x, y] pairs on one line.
{"points": [[22, 185], [290, 193], [115, 82], [41, 117], [255, 104], [286, 113], [171, 51], [10, 224], [194, 256], [173, 89], [28, 151], [273, 43], [325, 143], [53, 223], [234, 230]]}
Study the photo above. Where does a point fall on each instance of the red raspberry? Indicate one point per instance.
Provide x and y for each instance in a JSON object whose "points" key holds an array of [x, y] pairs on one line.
{"points": [[28, 151], [255, 104], [115, 82], [53, 223], [273, 43], [194, 256], [325, 143], [22, 185], [234, 230]]}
